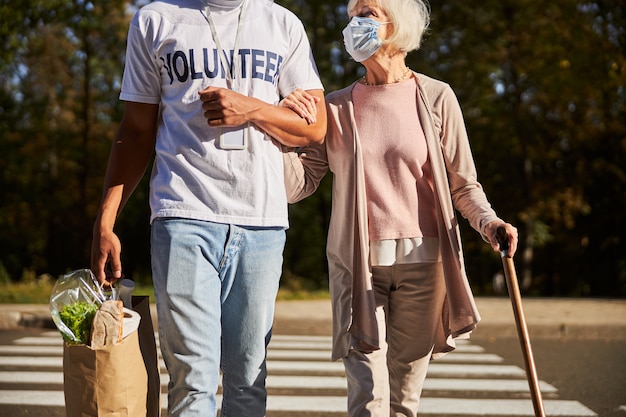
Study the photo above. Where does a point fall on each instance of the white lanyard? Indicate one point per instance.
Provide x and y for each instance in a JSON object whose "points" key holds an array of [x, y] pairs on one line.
{"points": [[235, 68]]}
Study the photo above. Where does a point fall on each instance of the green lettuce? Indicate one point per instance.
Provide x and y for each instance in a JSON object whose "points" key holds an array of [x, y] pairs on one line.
{"points": [[78, 317]]}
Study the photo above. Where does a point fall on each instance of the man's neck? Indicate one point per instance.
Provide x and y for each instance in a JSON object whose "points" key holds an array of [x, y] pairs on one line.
{"points": [[224, 4]]}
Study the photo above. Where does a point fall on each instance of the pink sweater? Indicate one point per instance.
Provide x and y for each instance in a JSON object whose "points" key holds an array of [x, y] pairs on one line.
{"points": [[398, 178], [456, 187]]}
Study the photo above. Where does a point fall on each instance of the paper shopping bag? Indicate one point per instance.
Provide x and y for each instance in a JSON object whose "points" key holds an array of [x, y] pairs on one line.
{"points": [[111, 381], [120, 380]]}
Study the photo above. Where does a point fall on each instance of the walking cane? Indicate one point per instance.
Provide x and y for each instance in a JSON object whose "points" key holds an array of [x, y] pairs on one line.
{"points": [[520, 321]]}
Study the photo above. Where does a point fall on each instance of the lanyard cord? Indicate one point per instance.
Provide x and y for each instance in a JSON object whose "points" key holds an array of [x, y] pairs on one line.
{"points": [[235, 68]]}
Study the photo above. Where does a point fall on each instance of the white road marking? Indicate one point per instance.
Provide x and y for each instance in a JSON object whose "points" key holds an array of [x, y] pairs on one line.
{"points": [[318, 382], [332, 404], [467, 369]]}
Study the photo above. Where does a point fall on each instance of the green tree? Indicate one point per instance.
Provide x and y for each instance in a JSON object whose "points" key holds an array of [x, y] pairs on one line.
{"points": [[61, 72], [542, 87]]}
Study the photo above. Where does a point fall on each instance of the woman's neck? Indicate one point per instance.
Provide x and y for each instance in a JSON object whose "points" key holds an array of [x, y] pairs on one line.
{"points": [[382, 71]]}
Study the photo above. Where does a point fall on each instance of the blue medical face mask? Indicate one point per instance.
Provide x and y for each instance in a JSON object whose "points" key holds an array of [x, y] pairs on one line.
{"points": [[361, 39]]}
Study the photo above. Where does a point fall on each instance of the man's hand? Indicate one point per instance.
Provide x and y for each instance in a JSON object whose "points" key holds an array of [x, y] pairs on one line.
{"points": [[224, 107], [105, 250]]}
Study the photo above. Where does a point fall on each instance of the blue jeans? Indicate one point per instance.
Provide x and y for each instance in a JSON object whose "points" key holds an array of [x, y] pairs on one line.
{"points": [[215, 287]]}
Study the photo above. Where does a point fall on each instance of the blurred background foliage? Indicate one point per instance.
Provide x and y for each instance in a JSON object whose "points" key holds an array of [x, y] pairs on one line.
{"points": [[542, 86]]}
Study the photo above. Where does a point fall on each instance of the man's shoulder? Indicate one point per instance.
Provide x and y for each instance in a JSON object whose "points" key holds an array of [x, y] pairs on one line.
{"points": [[270, 8], [163, 5], [169, 10]]}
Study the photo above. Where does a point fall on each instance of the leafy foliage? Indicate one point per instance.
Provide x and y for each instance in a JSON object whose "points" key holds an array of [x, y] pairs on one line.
{"points": [[542, 86]]}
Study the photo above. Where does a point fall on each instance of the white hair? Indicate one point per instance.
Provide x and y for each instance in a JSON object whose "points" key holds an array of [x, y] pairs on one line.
{"points": [[410, 19]]}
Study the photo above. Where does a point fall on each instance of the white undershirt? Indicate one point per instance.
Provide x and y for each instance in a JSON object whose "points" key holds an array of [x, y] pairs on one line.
{"points": [[404, 251]]}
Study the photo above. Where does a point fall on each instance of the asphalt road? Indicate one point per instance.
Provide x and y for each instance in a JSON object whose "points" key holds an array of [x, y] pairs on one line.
{"points": [[590, 371], [579, 347]]}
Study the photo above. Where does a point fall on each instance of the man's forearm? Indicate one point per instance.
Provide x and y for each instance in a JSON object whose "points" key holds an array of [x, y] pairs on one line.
{"points": [[223, 107]]}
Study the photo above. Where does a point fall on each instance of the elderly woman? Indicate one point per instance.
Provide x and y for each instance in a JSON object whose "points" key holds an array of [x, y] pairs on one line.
{"points": [[397, 146]]}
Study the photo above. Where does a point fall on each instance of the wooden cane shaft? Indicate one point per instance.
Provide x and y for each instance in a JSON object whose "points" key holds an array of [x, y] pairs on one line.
{"points": [[522, 330]]}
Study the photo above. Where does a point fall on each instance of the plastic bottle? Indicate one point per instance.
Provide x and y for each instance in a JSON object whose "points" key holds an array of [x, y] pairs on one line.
{"points": [[126, 288]]}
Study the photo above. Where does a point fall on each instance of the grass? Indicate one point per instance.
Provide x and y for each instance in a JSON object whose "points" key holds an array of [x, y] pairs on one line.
{"points": [[37, 291], [28, 292]]}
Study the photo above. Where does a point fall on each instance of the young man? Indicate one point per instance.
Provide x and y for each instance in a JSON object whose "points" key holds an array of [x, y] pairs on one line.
{"points": [[201, 84]]}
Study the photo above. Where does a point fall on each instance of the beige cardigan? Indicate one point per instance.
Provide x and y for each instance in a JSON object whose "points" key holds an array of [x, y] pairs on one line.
{"points": [[456, 186]]}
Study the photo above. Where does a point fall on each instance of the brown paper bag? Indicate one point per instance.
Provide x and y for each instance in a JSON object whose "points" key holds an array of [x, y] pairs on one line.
{"points": [[119, 380]]}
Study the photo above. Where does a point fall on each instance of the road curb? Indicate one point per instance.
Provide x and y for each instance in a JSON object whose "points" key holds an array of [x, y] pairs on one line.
{"points": [[545, 317]]}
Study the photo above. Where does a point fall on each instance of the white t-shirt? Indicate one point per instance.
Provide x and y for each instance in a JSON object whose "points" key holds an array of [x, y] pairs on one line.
{"points": [[171, 56]]}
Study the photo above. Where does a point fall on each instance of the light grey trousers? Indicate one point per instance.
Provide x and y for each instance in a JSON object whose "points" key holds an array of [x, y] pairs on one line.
{"points": [[388, 382]]}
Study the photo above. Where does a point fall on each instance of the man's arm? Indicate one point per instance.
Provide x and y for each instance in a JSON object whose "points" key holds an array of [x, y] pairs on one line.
{"points": [[130, 155], [223, 107]]}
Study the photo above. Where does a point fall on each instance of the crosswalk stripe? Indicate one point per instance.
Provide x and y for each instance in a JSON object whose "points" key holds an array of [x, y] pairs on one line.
{"points": [[287, 354], [304, 366], [31, 350], [297, 344], [31, 378], [434, 369], [495, 407], [318, 382], [278, 341], [278, 349], [457, 357], [47, 339], [40, 398], [466, 407], [484, 385], [300, 363], [464, 370], [302, 338], [337, 404], [431, 384], [44, 361]]}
